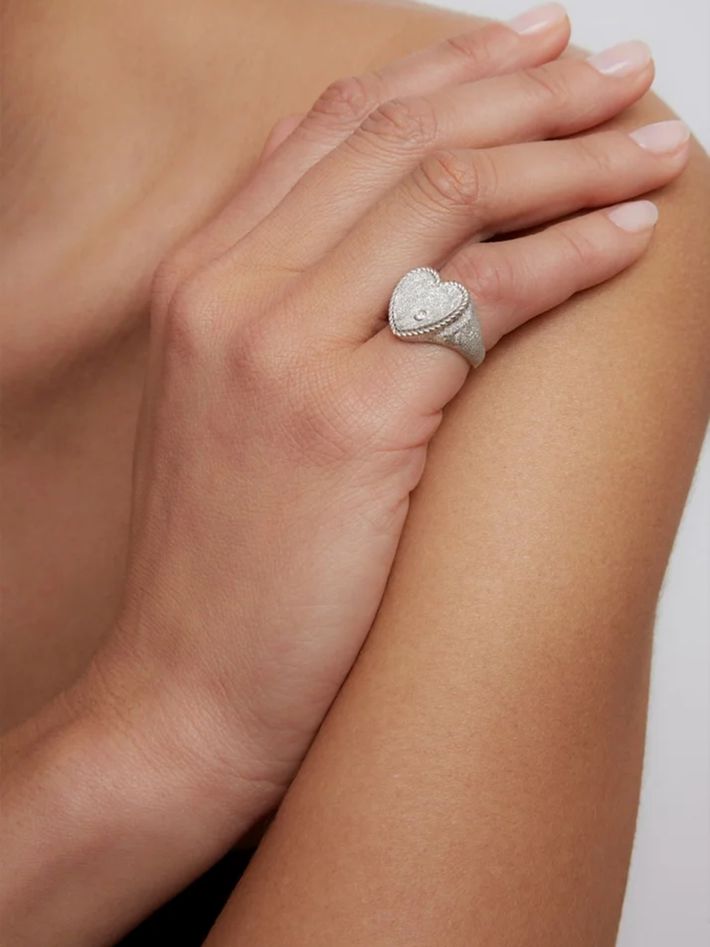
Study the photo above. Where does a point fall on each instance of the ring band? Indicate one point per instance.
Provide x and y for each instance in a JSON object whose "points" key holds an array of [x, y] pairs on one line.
{"points": [[423, 308]]}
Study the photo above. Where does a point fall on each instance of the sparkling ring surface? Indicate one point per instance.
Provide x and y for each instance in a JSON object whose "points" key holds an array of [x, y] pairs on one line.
{"points": [[423, 308]]}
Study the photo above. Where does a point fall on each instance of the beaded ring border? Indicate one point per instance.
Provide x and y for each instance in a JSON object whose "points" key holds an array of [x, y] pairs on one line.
{"points": [[424, 308]]}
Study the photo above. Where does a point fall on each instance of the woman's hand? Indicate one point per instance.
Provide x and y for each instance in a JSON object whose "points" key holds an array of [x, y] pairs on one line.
{"points": [[284, 426]]}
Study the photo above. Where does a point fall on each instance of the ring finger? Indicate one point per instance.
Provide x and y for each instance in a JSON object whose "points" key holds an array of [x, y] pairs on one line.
{"points": [[456, 196]]}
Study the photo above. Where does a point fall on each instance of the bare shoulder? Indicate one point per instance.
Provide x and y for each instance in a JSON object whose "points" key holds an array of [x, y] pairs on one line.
{"points": [[619, 375]]}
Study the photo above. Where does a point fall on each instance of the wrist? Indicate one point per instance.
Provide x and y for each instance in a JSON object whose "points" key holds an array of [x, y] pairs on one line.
{"points": [[193, 748], [108, 809]]}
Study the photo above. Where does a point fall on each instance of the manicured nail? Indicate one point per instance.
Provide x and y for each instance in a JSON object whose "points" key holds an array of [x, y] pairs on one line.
{"points": [[634, 216], [662, 137], [538, 19], [622, 60]]}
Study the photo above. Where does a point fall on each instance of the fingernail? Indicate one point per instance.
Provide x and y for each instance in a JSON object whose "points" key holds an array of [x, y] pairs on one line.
{"points": [[621, 60], [662, 137], [634, 216], [538, 19]]}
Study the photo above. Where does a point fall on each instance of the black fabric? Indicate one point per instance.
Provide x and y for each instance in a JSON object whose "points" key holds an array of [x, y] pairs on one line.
{"points": [[186, 920]]}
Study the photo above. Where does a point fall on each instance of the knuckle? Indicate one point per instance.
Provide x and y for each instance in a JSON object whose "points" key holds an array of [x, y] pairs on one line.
{"points": [[186, 326], [578, 249], [548, 86], [475, 49], [599, 154], [260, 334], [450, 179], [404, 123], [346, 102], [216, 316], [171, 272], [488, 279]]}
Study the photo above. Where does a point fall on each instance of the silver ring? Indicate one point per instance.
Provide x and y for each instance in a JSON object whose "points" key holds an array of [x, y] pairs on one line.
{"points": [[425, 309]]}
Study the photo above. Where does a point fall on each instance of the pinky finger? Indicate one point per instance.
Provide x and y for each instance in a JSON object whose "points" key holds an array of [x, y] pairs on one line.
{"points": [[514, 280], [510, 282]]}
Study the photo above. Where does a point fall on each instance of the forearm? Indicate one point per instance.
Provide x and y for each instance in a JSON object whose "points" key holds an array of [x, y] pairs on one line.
{"points": [[106, 814], [477, 779]]}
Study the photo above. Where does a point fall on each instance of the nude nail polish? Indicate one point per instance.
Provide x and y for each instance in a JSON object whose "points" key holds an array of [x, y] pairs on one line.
{"points": [[635, 216], [538, 19], [662, 137], [621, 60]]}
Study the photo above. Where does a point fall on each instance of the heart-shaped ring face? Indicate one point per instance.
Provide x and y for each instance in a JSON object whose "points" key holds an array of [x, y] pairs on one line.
{"points": [[421, 303]]}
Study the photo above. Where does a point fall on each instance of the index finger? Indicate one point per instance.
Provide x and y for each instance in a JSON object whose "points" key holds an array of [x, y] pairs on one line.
{"points": [[493, 49]]}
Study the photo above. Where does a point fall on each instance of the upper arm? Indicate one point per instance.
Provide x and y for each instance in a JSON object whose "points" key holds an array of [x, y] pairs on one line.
{"points": [[477, 777]]}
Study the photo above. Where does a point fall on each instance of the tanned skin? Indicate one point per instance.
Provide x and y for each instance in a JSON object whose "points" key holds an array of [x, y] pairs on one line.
{"points": [[476, 780]]}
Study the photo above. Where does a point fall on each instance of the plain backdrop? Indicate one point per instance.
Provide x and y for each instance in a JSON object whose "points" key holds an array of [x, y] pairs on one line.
{"points": [[668, 897]]}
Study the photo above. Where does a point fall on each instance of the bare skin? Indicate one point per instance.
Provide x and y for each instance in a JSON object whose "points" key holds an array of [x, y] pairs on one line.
{"points": [[81, 252], [580, 753]]}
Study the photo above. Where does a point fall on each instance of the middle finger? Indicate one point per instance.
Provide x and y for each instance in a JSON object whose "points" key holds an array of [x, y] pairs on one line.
{"points": [[553, 100], [456, 195]]}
